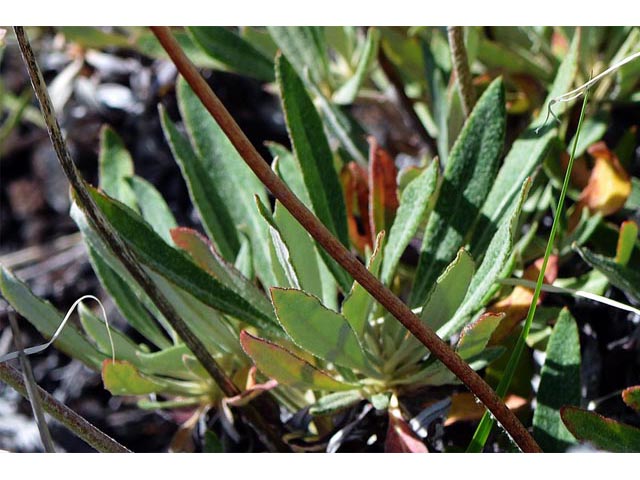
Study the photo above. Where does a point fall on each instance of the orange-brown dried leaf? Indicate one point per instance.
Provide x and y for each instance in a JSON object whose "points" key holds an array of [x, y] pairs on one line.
{"points": [[609, 184], [465, 408], [383, 189], [516, 305], [356, 192]]}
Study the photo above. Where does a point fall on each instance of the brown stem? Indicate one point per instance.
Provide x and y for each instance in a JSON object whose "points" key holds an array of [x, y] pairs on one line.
{"points": [[461, 68], [31, 387], [346, 259], [122, 251], [404, 102], [67, 417]]}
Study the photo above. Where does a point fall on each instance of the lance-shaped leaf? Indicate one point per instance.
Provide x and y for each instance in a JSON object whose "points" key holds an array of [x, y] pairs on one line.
{"points": [[312, 151], [122, 378], [475, 336], [631, 397], [604, 433], [383, 197], [306, 48], [214, 214], [491, 268], [625, 278], [359, 303], [207, 257], [315, 328], [168, 362], [626, 241], [173, 265], [130, 306], [348, 91], [416, 203], [356, 192], [225, 169], [115, 166], [153, 207], [559, 385], [287, 368], [230, 49], [280, 252], [47, 319], [525, 156], [467, 179], [335, 402]]}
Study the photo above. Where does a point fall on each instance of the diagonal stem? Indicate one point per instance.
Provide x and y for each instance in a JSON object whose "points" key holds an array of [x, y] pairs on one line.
{"points": [[461, 68], [67, 417], [346, 259], [122, 251]]}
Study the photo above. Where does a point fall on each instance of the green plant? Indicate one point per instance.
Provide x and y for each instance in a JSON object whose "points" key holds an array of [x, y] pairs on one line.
{"points": [[264, 288]]}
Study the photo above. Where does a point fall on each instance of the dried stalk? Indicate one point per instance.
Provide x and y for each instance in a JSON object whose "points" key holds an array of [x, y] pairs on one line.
{"points": [[461, 68], [404, 102], [31, 388], [74, 422], [122, 251], [346, 259]]}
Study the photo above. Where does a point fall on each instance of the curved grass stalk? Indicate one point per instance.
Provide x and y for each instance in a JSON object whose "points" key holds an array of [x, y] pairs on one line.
{"points": [[484, 428], [582, 89], [56, 334]]}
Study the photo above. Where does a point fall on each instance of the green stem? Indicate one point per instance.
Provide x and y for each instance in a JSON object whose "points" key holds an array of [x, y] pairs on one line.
{"points": [[484, 428]]}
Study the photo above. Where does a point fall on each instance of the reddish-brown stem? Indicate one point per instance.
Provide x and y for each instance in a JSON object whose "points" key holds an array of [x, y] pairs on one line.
{"points": [[345, 258]]}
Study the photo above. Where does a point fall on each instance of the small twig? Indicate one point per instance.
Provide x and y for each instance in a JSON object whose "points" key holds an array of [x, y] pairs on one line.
{"points": [[461, 68], [36, 253], [404, 102], [31, 387], [345, 258], [74, 422], [122, 251]]}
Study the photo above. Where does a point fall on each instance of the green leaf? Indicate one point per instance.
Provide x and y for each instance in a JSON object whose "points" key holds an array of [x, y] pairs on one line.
{"points": [[46, 319], [129, 304], [305, 48], [280, 252], [227, 47], [526, 154], [358, 305], [349, 90], [513, 59], [153, 207], [491, 269], [631, 397], [626, 242], [94, 37], [449, 291], [204, 194], [287, 368], [96, 329], [122, 378], [416, 203], [167, 362], [173, 265], [467, 179], [212, 444], [315, 328], [115, 166], [624, 278], [604, 433], [210, 260], [312, 152], [475, 336], [227, 172], [559, 385], [335, 402], [438, 99]]}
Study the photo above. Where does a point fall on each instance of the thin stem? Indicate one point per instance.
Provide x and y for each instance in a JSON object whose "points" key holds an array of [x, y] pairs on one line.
{"points": [[484, 428], [122, 251], [31, 388], [404, 102], [344, 257], [67, 417], [461, 68]]}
